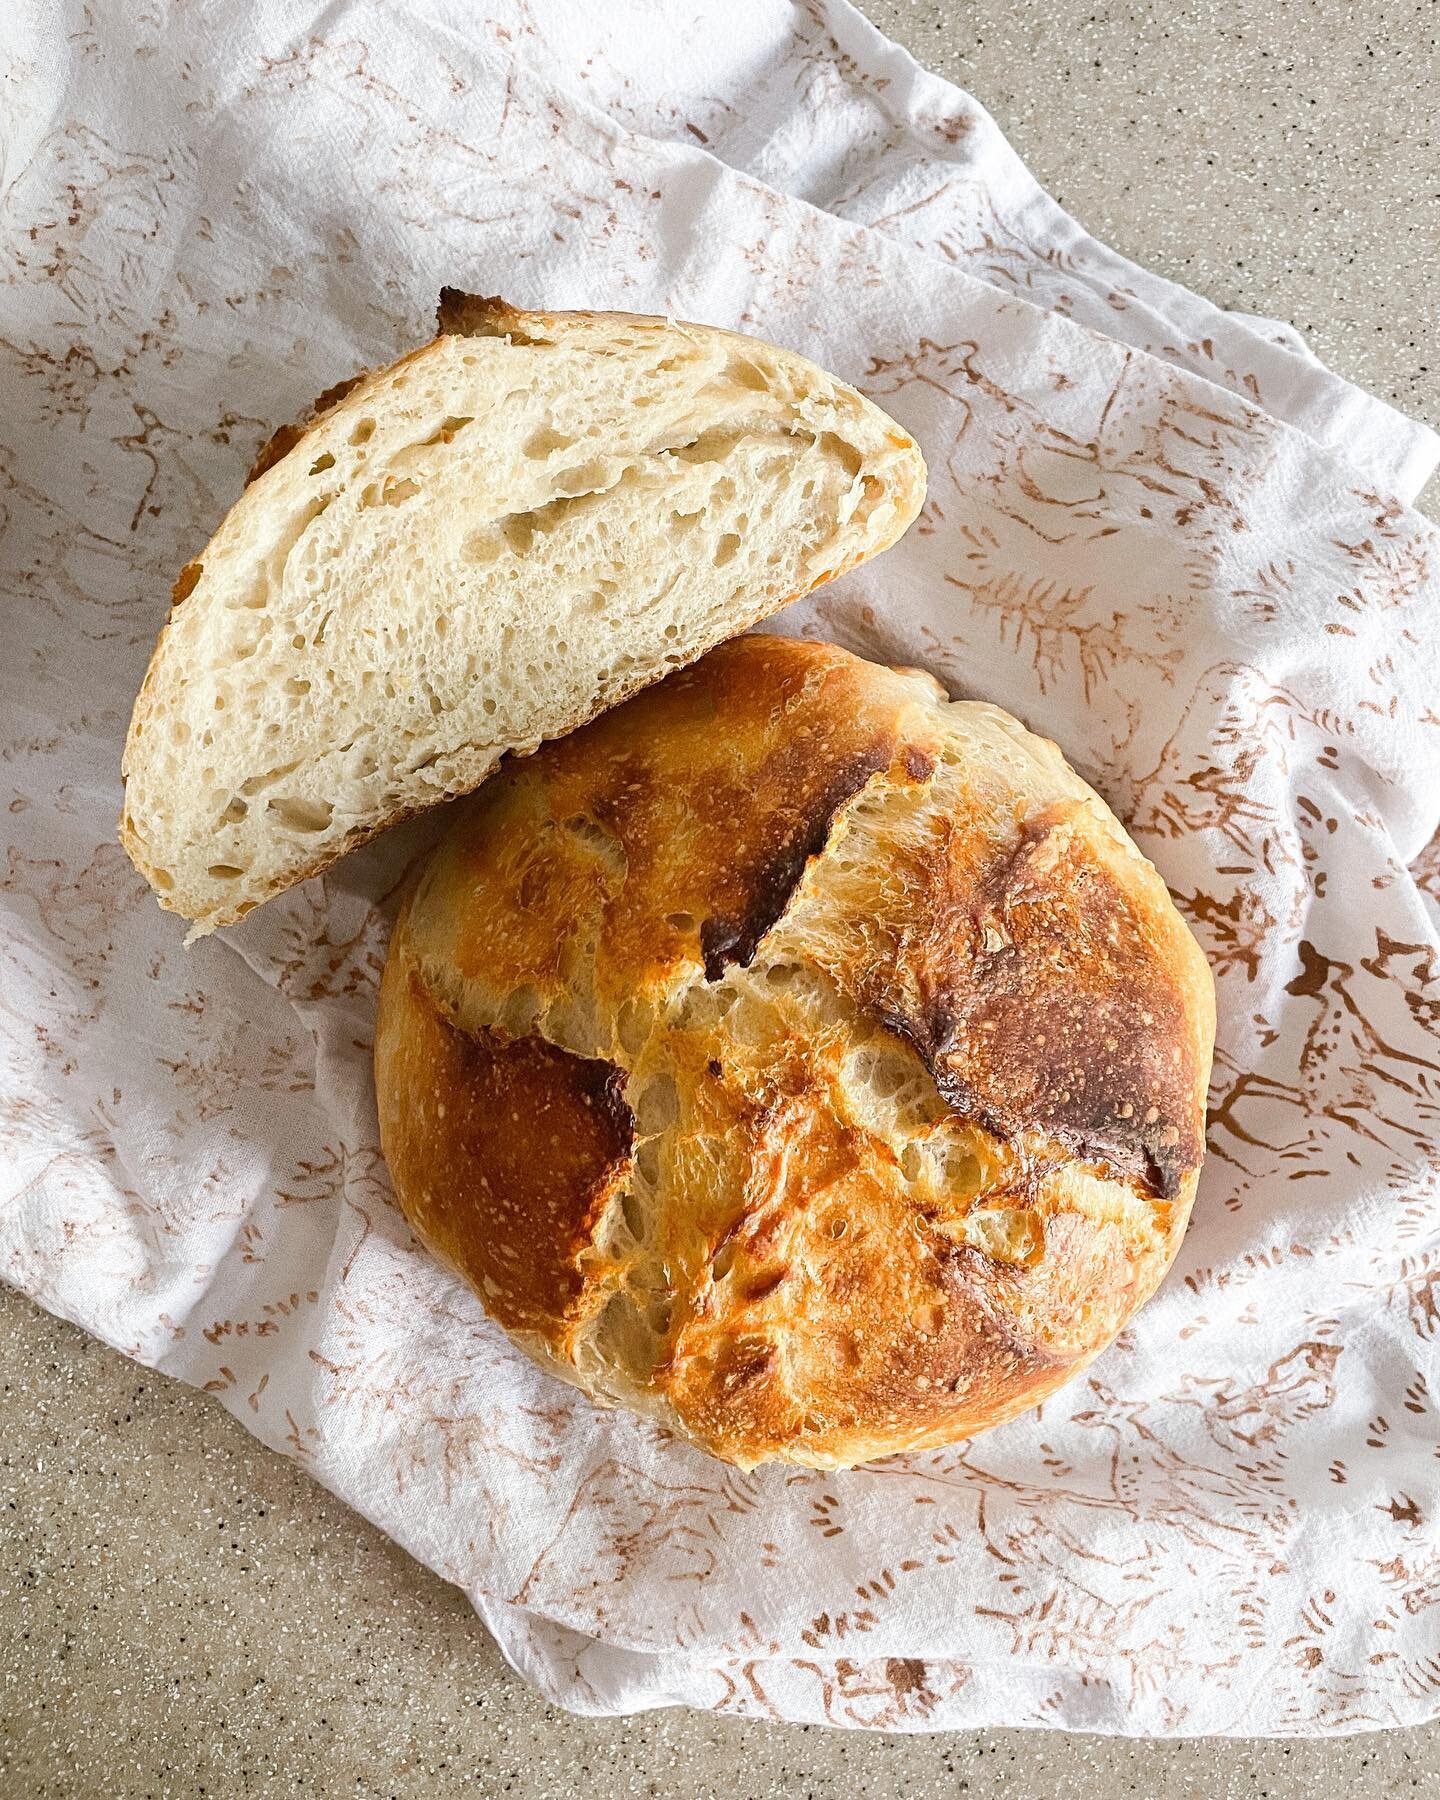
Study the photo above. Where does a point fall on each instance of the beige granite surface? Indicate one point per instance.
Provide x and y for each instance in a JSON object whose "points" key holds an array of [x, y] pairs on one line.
{"points": [[183, 1613]]}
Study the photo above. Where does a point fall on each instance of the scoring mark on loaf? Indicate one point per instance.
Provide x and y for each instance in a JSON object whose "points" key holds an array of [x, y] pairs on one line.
{"points": [[1059, 1017], [801, 831]]}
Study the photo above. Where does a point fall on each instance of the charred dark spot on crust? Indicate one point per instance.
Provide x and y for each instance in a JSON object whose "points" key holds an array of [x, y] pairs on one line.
{"points": [[334, 395], [526, 1159], [919, 766], [280, 443], [458, 314], [602, 1085], [802, 831], [483, 315], [1052, 1011], [186, 582]]}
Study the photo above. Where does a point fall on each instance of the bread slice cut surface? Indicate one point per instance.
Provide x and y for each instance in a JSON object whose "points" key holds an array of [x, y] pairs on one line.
{"points": [[474, 550]]}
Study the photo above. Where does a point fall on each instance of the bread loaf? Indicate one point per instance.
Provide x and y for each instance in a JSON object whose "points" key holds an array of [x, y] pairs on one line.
{"points": [[797, 1057], [474, 550]]}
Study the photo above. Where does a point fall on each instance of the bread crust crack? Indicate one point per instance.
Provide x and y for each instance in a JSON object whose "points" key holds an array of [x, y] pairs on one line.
{"points": [[881, 975]]}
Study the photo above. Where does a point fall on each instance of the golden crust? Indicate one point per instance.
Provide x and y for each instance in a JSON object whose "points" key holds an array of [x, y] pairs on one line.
{"points": [[859, 1059]]}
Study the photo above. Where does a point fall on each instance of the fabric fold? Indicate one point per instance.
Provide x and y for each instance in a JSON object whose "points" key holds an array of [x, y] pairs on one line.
{"points": [[1164, 535]]}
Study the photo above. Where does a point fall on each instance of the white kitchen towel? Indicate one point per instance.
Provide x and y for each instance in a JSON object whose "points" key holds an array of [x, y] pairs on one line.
{"points": [[1169, 540]]}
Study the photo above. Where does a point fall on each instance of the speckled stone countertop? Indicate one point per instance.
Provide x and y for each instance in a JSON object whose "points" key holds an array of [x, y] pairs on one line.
{"points": [[182, 1612]]}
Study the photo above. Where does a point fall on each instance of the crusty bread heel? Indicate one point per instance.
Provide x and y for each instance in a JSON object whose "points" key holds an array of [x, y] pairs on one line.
{"points": [[474, 550]]}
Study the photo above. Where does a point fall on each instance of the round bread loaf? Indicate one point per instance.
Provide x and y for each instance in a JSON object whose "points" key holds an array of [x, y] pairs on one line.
{"points": [[800, 1058]]}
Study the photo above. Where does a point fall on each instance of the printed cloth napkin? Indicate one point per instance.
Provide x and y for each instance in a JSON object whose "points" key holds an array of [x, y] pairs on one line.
{"points": [[1163, 534]]}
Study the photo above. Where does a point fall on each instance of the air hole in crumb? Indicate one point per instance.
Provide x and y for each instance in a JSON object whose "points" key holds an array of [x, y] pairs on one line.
{"points": [[745, 374], [363, 432], [545, 442], [301, 815], [571, 484], [234, 812], [482, 545], [296, 686], [725, 549], [519, 532], [321, 463], [633, 1214], [658, 1106], [257, 782], [844, 453], [636, 1021], [163, 880], [722, 1262], [647, 1165], [682, 921], [224, 871]]}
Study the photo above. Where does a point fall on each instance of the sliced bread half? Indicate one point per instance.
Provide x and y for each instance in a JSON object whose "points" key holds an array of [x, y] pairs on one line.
{"points": [[471, 551]]}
